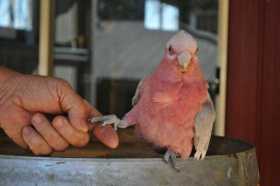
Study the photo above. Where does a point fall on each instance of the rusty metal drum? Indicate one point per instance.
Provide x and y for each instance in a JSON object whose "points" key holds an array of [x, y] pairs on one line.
{"points": [[229, 163]]}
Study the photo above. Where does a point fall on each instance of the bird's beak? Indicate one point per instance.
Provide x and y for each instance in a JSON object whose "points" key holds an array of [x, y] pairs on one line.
{"points": [[184, 59]]}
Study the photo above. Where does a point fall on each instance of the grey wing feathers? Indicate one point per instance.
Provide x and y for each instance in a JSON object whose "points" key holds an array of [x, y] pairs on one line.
{"points": [[137, 93], [203, 127]]}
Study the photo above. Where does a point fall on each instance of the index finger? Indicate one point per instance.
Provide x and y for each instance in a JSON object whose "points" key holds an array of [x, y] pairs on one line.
{"points": [[74, 105]]}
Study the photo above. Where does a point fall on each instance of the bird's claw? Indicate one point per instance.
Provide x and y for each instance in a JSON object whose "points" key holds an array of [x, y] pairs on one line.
{"points": [[170, 157], [200, 154], [107, 120]]}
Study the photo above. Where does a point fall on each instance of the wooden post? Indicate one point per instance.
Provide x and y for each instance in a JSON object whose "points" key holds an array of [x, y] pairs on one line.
{"points": [[46, 38], [222, 62], [93, 86]]}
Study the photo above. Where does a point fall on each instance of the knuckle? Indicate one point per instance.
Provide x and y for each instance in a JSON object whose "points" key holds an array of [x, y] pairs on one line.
{"points": [[37, 119], [81, 141], [38, 115], [62, 83], [42, 151], [58, 122], [39, 148], [36, 145], [57, 143], [61, 146]]}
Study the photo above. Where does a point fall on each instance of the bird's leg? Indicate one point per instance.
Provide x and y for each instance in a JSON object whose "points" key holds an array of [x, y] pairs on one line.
{"points": [[170, 157], [110, 119]]}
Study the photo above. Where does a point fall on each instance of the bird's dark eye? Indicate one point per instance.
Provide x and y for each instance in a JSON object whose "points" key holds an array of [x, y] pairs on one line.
{"points": [[171, 50]]}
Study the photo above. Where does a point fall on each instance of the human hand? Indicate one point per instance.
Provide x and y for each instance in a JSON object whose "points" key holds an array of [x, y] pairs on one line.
{"points": [[24, 101]]}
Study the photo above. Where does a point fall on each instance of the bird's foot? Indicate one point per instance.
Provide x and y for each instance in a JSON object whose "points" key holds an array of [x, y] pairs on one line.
{"points": [[108, 120], [170, 157], [200, 154]]}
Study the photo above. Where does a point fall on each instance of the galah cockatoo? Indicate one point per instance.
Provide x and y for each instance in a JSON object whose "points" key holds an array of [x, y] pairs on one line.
{"points": [[172, 107]]}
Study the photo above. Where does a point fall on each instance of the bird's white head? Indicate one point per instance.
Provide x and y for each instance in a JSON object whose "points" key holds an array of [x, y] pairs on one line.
{"points": [[182, 47]]}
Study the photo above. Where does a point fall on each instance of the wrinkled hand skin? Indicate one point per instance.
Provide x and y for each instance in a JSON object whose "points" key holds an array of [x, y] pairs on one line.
{"points": [[24, 101]]}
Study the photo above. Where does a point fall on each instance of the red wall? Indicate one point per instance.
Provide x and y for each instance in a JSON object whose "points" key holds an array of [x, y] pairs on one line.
{"points": [[253, 98]]}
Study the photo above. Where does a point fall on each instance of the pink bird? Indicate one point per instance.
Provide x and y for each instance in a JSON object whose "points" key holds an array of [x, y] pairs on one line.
{"points": [[172, 107]]}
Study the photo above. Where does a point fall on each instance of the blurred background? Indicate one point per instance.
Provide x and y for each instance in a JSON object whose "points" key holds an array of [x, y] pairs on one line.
{"points": [[103, 48]]}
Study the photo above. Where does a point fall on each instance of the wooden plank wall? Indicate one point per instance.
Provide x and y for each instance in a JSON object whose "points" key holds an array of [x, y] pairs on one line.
{"points": [[253, 99]]}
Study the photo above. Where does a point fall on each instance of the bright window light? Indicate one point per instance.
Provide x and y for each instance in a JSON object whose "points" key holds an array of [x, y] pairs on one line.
{"points": [[161, 16], [152, 14], [16, 14], [170, 17]]}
